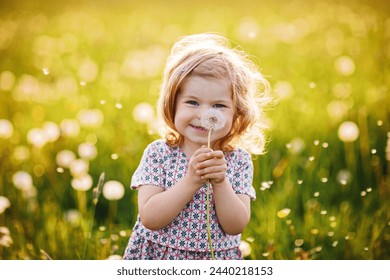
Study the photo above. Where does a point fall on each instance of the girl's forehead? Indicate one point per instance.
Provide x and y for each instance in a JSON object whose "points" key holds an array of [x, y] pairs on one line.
{"points": [[206, 86]]}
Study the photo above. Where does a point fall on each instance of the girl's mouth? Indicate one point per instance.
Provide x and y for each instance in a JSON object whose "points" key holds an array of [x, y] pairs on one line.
{"points": [[198, 128]]}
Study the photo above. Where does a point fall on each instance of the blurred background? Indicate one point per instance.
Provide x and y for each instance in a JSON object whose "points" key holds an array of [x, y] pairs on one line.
{"points": [[79, 81]]}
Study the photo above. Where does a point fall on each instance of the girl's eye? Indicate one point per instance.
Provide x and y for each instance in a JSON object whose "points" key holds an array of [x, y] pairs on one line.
{"points": [[219, 106], [192, 102]]}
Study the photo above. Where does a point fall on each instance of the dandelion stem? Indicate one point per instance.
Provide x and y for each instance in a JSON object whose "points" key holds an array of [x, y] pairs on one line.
{"points": [[208, 207]]}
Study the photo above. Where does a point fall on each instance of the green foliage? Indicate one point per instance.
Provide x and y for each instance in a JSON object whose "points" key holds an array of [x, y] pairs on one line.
{"points": [[81, 72]]}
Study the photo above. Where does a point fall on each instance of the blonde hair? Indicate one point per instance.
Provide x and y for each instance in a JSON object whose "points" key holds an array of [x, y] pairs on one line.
{"points": [[210, 56]]}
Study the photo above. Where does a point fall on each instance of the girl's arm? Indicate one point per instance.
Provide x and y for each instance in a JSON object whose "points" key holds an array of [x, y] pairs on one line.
{"points": [[233, 210], [158, 208]]}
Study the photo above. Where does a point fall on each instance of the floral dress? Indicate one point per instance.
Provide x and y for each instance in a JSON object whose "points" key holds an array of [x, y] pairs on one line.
{"points": [[186, 236]]}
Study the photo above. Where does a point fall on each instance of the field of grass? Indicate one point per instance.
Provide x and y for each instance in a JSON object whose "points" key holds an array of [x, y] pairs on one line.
{"points": [[79, 82]]}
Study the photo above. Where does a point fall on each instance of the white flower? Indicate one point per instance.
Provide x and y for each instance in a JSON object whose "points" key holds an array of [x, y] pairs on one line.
{"points": [[6, 128], [348, 131], [115, 257], [70, 128], [213, 120], [82, 183], [113, 190], [245, 248], [79, 167], [4, 204], [22, 180], [87, 151], [65, 158]]}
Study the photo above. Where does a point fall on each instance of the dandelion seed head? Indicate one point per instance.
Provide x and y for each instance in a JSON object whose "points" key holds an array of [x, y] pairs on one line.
{"points": [[114, 156], [323, 212], [379, 123], [4, 204], [6, 129], [324, 180], [316, 194], [87, 151], [113, 190], [299, 242], [373, 151], [335, 243], [118, 106], [325, 145], [314, 231], [213, 120], [331, 233], [348, 131], [245, 248], [82, 183], [65, 158], [300, 182], [144, 113], [22, 180], [69, 128], [79, 167], [312, 158], [45, 71], [316, 142], [363, 193]]}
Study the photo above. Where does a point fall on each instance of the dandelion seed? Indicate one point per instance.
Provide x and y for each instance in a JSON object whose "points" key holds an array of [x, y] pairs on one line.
{"points": [[283, 213], [213, 120], [296, 146]]}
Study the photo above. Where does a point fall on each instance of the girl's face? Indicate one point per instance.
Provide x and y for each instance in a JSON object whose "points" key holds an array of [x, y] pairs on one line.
{"points": [[198, 95]]}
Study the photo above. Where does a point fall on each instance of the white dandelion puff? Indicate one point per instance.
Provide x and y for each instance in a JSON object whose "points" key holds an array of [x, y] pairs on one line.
{"points": [[213, 120]]}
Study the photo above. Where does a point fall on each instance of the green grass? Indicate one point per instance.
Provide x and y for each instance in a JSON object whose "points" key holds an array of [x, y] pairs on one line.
{"points": [[326, 60]]}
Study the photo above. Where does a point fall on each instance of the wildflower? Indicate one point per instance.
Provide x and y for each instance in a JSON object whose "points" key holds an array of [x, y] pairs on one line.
{"points": [[113, 190], [65, 158], [6, 129], [22, 180], [348, 131], [283, 213], [82, 183], [5, 237], [213, 120], [87, 151], [4, 204], [245, 248]]}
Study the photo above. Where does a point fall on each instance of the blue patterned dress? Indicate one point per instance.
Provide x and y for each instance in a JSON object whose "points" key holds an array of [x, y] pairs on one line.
{"points": [[186, 236]]}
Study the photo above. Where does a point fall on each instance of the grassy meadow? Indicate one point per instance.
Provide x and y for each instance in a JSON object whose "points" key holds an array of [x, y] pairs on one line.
{"points": [[79, 81]]}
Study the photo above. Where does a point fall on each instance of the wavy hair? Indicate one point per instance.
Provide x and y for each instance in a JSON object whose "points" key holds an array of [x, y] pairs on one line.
{"points": [[210, 56]]}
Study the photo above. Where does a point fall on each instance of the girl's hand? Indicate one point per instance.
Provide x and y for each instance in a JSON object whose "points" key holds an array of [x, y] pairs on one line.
{"points": [[212, 166], [198, 157]]}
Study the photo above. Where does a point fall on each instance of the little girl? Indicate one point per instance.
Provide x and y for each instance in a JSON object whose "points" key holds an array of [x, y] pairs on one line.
{"points": [[202, 73]]}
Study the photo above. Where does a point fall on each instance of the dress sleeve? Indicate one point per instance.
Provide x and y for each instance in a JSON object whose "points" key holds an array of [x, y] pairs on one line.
{"points": [[150, 170], [243, 175]]}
